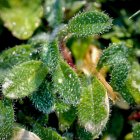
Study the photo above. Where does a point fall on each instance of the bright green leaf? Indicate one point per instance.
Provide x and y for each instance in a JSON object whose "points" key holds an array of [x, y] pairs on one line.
{"points": [[133, 82], [66, 118], [15, 55], [23, 79], [66, 84], [93, 110], [89, 23], [46, 133], [21, 17], [6, 119]]}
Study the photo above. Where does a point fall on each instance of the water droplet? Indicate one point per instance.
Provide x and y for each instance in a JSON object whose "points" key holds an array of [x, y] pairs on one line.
{"points": [[60, 81]]}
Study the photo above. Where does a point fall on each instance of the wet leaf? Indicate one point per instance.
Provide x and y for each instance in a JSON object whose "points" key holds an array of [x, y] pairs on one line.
{"points": [[50, 55], [23, 79], [14, 56], [21, 17], [93, 109], [89, 23], [66, 84]]}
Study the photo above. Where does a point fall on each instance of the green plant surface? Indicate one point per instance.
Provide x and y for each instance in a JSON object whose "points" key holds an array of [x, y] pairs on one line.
{"points": [[6, 119], [69, 70], [67, 84], [89, 23], [46, 133], [23, 79], [43, 98], [94, 101], [136, 131], [21, 17]]}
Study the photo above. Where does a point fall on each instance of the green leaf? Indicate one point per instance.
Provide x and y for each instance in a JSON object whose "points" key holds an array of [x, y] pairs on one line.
{"points": [[136, 131], [53, 12], [43, 98], [46, 133], [93, 110], [61, 106], [82, 134], [133, 82], [117, 57], [119, 76], [23, 79], [89, 23], [66, 119], [21, 17], [50, 55], [14, 56], [6, 119], [114, 54], [66, 84]]}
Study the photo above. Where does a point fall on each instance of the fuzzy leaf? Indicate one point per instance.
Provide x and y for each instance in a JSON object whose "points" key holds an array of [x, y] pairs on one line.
{"points": [[119, 75], [136, 131], [82, 134], [50, 55], [133, 82], [23, 79], [43, 98], [117, 57], [21, 17], [93, 110], [46, 133], [6, 119], [114, 54], [61, 106], [66, 118], [15, 55], [89, 23], [53, 12], [66, 84]]}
